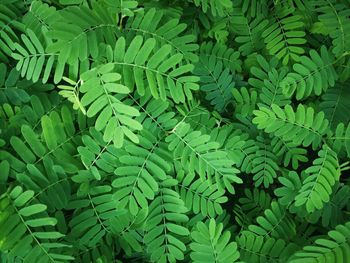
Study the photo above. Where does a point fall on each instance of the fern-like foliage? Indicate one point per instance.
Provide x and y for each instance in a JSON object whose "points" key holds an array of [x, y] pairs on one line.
{"points": [[8, 83], [212, 244], [33, 61], [334, 105], [9, 28], [57, 136], [163, 78], [21, 228], [148, 163], [124, 227], [284, 36], [264, 249], [333, 214], [228, 56], [92, 215], [100, 88], [149, 25], [84, 35], [335, 18], [249, 33], [95, 154], [341, 138], [334, 248], [245, 101], [290, 185], [312, 76], [322, 175], [163, 226], [301, 126], [40, 17], [253, 203], [276, 222], [174, 131], [201, 155], [216, 81], [218, 8], [201, 197], [272, 93], [289, 152], [53, 190], [264, 163], [251, 8]]}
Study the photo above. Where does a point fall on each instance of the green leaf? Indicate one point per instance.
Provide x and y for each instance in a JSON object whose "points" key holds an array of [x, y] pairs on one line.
{"points": [[32, 210], [49, 221]]}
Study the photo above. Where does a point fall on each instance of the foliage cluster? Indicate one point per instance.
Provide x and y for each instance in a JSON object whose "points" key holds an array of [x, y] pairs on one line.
{"points": [[174, 131]]}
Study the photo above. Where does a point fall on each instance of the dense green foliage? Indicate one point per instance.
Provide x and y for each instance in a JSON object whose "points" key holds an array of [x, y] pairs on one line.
{"points": [[174, 131]]}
